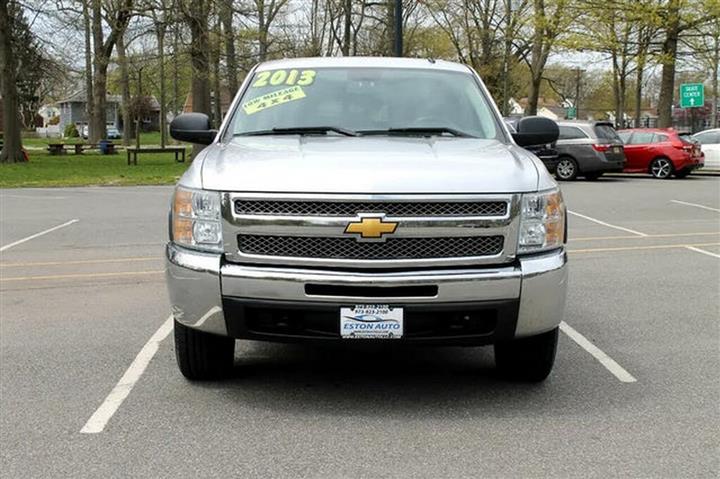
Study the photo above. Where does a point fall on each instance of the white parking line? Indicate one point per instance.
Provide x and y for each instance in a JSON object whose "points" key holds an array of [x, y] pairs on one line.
{"points": [[609, 363], [698, 250], [49, 230], [695, 205], [114, 400], [637, 233]]}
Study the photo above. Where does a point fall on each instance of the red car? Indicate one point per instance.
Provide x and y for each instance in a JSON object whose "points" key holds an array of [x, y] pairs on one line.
{"points": [[660, 152]]}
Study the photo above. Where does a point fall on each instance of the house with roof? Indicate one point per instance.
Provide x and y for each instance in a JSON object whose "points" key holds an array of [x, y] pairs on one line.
{"points": [[73, 109]]}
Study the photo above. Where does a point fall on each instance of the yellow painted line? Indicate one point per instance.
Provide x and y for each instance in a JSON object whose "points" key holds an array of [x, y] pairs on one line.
{"points": [[635, 248], [84, 261], [669, 235], [81, 276]]}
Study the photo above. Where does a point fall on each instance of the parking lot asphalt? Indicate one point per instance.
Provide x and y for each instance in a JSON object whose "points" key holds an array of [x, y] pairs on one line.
{"points": [[78, 303]]}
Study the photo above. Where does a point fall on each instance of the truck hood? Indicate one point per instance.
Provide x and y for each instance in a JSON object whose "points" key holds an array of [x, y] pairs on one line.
{"points": [[374, 164]]}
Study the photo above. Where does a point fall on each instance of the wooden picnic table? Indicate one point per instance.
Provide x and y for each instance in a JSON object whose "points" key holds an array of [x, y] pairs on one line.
{"points": [[132, 152], [56, 148], [78, 148]]}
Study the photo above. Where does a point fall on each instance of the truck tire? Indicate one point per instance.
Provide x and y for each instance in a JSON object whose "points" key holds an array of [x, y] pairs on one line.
{"points": [[202, 355], [527, 359]]}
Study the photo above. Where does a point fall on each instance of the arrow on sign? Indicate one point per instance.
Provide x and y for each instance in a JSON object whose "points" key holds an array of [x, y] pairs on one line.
{"points": [[692, 101]]}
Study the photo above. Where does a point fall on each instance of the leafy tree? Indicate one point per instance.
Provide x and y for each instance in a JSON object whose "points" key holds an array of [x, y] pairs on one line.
{"points": [[678, 17], [550, 19]]}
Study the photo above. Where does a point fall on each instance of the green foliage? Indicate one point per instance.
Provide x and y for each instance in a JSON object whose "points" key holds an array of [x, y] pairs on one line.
{"points": [[71, 131]]}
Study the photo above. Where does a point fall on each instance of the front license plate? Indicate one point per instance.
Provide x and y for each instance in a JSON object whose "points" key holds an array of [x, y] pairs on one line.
{"points": [[371, 321]]}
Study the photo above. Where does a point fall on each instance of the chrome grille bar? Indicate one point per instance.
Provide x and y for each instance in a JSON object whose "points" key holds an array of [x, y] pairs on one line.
{"points": [[352, 208]]}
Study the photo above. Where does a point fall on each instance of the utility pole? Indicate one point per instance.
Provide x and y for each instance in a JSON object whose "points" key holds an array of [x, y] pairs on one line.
{"points": [[398, 28], [578, 79]]}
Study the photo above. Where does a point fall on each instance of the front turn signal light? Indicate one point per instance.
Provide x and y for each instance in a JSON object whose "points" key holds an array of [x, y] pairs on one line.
{"points": [[542, 222], [196, 219]]}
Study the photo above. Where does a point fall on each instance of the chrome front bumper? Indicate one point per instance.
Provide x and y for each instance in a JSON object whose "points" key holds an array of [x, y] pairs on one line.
{"points": [[197, 283]]}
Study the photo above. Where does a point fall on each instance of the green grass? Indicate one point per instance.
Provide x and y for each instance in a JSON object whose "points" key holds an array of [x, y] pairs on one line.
{"points": [[91, 169]]}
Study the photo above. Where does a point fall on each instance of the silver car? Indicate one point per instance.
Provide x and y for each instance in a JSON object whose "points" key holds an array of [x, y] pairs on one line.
{"points": [[366, 199]]}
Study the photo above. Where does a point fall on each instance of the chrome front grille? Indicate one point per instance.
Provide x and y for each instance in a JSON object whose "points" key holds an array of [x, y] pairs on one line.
{"points": [[351, 208], [347, 248], [303, 229]]}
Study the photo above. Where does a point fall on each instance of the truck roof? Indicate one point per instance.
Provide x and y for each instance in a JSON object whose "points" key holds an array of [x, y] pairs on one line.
{"points": [[363, 62]]}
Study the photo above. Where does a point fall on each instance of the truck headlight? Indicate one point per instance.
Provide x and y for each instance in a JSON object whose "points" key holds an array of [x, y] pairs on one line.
{"points": [[542, 221], [196, 219]]}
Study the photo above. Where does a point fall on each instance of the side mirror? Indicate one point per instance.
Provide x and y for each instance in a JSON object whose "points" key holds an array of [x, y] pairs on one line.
{"points": [[536, 130], [193, 128]]}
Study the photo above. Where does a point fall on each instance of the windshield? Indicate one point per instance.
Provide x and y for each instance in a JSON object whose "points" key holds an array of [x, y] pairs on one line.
{"points": [[365, 101]]}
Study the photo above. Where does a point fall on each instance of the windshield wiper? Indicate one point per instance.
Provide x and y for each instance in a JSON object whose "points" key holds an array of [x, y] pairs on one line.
{"points": [[420, 130], [300, 130]]}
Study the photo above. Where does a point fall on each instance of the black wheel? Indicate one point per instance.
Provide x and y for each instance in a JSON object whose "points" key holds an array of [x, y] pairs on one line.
{"points": [[683, 173], [202, 355], [661, 168], [567, 169], [528, 359], [593, 176]]}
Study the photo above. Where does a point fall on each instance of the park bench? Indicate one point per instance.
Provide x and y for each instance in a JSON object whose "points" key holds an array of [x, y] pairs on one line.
{"points": [[132, 152]]}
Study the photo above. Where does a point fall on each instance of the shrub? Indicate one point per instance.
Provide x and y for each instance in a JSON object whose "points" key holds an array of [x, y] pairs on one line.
{"points": [[71, 131]]}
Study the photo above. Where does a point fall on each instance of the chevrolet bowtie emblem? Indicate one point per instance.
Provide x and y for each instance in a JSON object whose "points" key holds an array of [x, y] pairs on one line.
{"points": [[371, 227]]}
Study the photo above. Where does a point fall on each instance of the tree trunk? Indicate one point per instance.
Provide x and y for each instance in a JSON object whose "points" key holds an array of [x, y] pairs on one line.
{"points": [[347, 15], [98, 128], [199, 50], [230, 56], [199, 47], [716, 72], [669, 57], [534, 94], [507, 43], [390, 20], [12, 147], [128, 132], [177, 108], [89, 109], [621, 98], [262, 31], [161, 66], [638, 92], [539, 56], [215, 61], [616, 90]]}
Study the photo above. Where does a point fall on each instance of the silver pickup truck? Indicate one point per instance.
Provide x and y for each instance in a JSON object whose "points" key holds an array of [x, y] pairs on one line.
{"points": [[366, 199]]}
